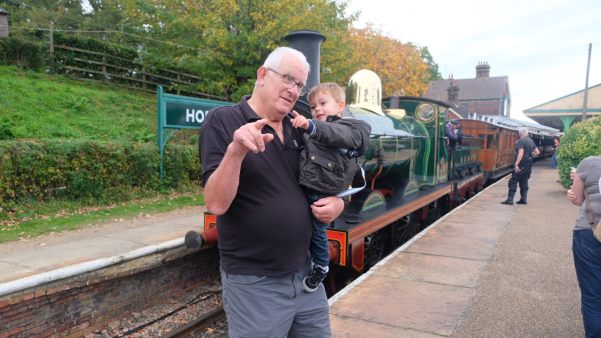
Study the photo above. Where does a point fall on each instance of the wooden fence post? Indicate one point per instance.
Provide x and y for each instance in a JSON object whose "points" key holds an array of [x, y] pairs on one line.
{"points": [[105, 77], [144, 77]]}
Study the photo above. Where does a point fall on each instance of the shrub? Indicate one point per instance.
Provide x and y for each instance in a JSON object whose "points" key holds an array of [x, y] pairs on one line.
{"points": [[27, 54], [90, 170], [580, 141]]}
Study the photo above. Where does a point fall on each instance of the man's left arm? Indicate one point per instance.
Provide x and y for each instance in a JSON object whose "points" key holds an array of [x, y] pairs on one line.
{"points": [[535, 152], [327, 209]]}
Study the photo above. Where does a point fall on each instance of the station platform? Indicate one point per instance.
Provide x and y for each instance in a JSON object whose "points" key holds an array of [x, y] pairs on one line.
{"points": [[483, 270], [29, 257]]}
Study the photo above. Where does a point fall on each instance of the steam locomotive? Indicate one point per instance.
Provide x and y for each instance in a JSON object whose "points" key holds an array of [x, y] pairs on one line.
{"points": [[412, 174]]}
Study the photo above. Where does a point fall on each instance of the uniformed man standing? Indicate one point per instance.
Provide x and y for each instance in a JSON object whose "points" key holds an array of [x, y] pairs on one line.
{"points": [[524, 153]]}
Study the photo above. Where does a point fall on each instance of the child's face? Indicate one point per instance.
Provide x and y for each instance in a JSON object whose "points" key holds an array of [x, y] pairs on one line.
{"points": [[324, 105]]}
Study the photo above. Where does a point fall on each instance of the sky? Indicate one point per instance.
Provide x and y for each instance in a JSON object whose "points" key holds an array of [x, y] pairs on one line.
{"points": [[541, 46]]}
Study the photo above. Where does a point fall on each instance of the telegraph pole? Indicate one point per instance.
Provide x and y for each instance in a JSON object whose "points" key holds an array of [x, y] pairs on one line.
{"points": [[588, 67]]}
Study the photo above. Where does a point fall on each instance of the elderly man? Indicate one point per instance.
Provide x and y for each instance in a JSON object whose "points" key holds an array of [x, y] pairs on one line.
{"points": [[249, 154], [524, 152]]}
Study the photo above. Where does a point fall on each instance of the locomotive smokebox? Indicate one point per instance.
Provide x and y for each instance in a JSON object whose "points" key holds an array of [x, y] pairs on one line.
{"points": [[308, 42]]}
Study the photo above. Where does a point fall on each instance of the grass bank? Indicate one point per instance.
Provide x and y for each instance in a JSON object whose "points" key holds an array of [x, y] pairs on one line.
{"points": [[62, 217], [37, 106]]}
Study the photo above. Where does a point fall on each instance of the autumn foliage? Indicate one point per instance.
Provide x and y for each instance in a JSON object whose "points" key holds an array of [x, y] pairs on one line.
{"points": [[399, 65], [225, 41]]}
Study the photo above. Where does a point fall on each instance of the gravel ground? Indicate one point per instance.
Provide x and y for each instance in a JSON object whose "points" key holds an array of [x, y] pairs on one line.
{"points": [[176, 312]]}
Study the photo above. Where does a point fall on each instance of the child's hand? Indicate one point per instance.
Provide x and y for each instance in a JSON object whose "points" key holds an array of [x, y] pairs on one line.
{"points": [[299, 121]]}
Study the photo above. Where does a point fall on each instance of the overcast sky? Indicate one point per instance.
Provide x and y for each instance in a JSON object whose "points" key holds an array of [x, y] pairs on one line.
{"points": [[542, 46]]}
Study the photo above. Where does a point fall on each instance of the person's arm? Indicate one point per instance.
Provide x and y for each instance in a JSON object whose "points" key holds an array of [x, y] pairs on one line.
{"points": [[327, 209], [222, 185], [346, 133], [450, 132], [576, 192], [518, 160], [535, 152]]}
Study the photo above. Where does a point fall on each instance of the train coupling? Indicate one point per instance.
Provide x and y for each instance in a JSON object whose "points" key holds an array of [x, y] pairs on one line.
{"points": [[193, 240]]}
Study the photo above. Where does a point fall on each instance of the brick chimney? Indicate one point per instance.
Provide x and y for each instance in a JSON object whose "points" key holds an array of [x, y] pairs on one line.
{"points": [[453, 92], [3, 23], [482, 70]]}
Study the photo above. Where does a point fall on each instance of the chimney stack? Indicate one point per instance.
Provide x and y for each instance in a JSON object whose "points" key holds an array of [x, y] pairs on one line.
{"points": [[482, 70], [453, 92]]}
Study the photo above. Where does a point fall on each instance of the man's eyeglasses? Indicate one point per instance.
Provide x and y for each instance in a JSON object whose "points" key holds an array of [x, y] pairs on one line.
{"points": [[289, 81]]}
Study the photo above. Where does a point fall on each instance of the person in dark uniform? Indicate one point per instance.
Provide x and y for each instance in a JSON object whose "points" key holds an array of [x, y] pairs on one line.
{"points": [[524, 152], [452, 134]]}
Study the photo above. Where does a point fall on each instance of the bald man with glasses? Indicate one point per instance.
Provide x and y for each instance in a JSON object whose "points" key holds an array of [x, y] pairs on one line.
{"points": [[249, 155]]}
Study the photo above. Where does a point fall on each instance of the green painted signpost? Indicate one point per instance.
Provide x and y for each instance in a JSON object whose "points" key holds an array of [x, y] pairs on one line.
{"points": [[180, 112]]}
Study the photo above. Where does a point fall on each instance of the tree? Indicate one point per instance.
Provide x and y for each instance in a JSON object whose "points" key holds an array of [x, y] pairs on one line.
{"points": [[400, 66], [432, 66], [28, 17], [224, 41]]}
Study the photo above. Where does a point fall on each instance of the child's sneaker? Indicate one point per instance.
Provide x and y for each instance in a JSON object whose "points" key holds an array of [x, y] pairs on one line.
{"points": [[318, 274]]}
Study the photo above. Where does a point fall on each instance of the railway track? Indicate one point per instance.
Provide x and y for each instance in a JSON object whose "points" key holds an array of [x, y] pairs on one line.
{"points": [[193, 328]]}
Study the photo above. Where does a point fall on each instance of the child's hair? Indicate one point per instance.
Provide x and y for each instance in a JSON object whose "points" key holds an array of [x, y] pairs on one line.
{"points": [[330, 88]]}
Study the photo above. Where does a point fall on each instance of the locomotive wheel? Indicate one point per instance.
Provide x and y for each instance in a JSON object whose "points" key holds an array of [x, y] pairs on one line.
{"points": [[433, 213], [375, 247], [405, 229], [338, 278]]}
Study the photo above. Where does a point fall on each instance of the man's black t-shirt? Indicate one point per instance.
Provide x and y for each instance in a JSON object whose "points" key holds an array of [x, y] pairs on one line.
{"points": [[267, 229], [528, 145]]}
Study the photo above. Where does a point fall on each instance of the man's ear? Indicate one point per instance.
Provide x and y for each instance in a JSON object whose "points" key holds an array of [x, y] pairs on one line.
{"points": [[261, 74]]}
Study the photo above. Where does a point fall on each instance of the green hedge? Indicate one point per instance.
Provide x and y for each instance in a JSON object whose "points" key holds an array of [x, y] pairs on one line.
{"points": [[580, 141], [89, 170], [27, 54]]}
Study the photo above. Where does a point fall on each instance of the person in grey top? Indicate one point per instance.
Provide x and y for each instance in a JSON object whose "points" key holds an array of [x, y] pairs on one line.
{"points": [[524, 152], [585, 247]]}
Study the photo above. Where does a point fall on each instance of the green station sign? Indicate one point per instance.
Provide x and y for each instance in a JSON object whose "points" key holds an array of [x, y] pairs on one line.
{"points": [[187, 112], [180, 112]]}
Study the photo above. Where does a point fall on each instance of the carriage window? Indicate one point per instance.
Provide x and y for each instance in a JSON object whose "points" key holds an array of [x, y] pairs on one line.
{"points": [[490, 141]]}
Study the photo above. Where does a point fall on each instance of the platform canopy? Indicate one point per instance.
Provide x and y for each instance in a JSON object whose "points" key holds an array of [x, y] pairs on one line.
{"points": [[563, 112]]}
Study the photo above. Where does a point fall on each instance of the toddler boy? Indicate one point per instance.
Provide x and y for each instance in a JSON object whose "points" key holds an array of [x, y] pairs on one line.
{"points": [[328, 162]]}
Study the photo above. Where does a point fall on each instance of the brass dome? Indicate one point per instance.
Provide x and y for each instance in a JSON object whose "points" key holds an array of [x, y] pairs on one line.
{"points": [[364, 91]]}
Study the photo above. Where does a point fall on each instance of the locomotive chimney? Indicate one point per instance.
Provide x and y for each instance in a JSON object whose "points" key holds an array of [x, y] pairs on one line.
{"points": [[308, 42], [482, 70]]}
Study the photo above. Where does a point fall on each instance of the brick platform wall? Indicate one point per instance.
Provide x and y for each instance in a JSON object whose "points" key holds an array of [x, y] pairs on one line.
{"points": [[84, 304]]}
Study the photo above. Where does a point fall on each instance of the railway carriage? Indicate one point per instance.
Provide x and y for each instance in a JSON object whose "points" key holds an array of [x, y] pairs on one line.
{"points": [[498, 135]]}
